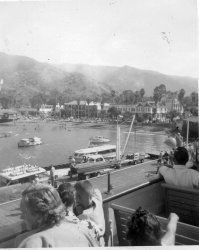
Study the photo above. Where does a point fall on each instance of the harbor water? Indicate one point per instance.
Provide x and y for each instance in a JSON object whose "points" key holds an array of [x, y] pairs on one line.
{"points": [[60, 140]]}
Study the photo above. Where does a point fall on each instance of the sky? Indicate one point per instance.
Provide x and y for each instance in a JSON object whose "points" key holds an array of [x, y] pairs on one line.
{"points": [[159, 35]]}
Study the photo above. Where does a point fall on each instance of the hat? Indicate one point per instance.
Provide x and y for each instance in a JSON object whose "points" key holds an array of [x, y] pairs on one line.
{"points": [[171, 142]]}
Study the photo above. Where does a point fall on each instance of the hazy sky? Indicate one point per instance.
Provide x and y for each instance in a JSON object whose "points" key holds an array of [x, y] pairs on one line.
{"points": [[159, 35]]}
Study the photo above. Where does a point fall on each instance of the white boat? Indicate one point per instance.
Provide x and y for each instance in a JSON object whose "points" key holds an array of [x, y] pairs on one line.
{"points": [[20, 174], [98, 139], [29, 142], [107, 151]]}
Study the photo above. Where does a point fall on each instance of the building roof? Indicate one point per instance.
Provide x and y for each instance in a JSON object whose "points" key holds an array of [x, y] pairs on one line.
{"points": [[194, 119], [85, 103], [8, 111]]}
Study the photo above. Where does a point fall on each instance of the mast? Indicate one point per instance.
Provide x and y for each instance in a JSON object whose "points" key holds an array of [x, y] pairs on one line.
{"points": [[187, 132], [128, 135], [118, 143]]}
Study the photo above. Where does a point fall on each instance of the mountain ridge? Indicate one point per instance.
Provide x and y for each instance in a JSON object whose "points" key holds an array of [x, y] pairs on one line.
{"points": [[34, 76]]}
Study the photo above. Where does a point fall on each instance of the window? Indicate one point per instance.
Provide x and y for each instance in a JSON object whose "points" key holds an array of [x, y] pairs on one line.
{"points": [[99, 159], [91, 160]]}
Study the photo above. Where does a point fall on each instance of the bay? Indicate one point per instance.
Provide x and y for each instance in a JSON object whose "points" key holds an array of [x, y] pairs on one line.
{"points": [[60, 141]]}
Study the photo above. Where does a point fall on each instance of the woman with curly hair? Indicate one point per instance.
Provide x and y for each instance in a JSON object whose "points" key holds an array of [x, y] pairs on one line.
{"points": [[144, 229], [44, 215]]}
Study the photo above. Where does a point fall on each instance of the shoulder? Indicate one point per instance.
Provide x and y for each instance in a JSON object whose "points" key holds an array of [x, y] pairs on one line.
{"points": [[31, 242], [97, 195], [163, 170]]}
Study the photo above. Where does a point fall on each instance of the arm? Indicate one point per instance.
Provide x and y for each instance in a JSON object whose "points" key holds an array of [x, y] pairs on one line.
{"points": [[179, 140], [169, 237]]}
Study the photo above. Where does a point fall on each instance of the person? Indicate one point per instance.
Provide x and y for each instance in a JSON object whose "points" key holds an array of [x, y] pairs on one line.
{"points": [[171, 156], [44, 215], [166, 157], [89, 204], [72, 165], [67, 194], [144, 229], [179, 175], [52, 175], [160, 158]]}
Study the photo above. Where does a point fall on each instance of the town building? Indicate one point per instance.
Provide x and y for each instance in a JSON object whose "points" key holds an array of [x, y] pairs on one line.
{"points": [[158, 111], [81, 109], [172, 103], [28, 111], [46, 109]]}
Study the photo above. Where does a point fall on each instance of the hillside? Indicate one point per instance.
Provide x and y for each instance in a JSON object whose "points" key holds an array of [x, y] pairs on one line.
{"points": [[126, 77], [25, 78]]}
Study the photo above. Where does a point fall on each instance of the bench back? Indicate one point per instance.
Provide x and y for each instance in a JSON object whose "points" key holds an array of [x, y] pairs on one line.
{"points": [[182, 201], [185, 234]]}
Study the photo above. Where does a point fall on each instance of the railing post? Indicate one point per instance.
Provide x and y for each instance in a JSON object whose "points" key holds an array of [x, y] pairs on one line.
{"points": [[109, 186]]}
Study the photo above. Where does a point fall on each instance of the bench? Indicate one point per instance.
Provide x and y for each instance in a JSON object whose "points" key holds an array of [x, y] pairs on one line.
{"points": [[182, 201], [185, 234]]}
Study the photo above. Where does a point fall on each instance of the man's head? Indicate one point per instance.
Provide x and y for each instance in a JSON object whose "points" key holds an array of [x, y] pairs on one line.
{"points": [[84, 193], [181, 156], [67, 194]]}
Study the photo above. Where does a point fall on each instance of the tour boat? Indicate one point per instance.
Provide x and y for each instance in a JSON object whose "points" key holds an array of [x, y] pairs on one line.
{"points": [[107, 151], [98, 140], [20, 174], [29, 142]]}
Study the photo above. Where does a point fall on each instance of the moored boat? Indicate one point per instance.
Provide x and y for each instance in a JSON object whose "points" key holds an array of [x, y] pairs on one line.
{"points": [[107, 151], [29, 142], [20, 174], [98, 140]]}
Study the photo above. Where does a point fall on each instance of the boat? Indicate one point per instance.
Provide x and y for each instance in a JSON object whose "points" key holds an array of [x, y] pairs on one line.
{"points": [[98, 140], [20, 174], [8, 116], [4, 135], [29, 142], [107, 151]]}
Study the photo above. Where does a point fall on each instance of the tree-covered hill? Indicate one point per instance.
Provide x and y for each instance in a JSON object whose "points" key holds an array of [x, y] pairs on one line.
{"points": [[27, 82], [126, 77]]}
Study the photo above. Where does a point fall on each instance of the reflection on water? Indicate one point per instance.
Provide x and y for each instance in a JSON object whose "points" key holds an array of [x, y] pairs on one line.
{"points": [[61, 141]]}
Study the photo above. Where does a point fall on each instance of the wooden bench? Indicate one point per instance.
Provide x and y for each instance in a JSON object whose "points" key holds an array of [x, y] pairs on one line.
{"points": [[185, 235], [182, 201]]}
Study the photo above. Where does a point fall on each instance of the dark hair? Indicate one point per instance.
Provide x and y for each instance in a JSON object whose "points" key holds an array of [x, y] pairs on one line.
{"points": [[44, 201], [85, 187], [66, 192], [144, 229], [181, 155]]}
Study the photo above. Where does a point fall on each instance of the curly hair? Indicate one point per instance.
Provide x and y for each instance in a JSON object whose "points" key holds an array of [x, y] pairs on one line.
{"points": [[144, 229], [44, 201], [67, 194]]}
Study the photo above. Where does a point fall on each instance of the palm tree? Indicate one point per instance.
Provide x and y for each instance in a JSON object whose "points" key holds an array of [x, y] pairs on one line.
{"points": [[88, 102], [102, 107], [78, 103]]}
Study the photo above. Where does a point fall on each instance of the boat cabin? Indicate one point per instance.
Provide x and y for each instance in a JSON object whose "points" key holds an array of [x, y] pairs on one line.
{"points": [[20, 174], [107, 151]]}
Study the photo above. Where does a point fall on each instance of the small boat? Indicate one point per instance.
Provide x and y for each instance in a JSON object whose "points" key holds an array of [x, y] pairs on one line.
{"points": [[29, 142], [98, 139], [4, 135], [20, 174]]}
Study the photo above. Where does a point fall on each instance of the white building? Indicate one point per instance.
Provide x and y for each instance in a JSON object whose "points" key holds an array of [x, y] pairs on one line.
{"points": [[46, 109]]}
